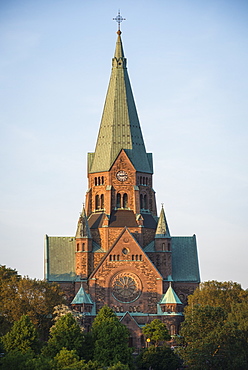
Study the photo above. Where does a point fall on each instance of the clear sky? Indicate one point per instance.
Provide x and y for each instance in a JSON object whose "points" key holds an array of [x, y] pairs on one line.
{"points": [[187, 61]]}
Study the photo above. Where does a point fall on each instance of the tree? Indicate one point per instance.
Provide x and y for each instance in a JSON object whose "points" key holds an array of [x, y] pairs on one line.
{"points": [[23, 336], [218, 294], [158, 358], [66, 334], [157, 332], [110, 339], [23, 296], [66, 360], [210, 341]]}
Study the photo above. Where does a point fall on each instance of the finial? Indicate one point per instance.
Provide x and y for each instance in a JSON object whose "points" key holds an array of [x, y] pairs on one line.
{"points": [[162, 204], [119, 19]]}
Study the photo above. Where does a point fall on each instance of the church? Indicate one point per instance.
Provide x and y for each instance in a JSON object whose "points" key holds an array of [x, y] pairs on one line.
{"points": [[122, 253]]}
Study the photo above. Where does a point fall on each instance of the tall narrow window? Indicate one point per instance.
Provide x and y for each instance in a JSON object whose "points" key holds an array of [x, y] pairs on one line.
{"points": [[99, 180], [95, 181], [118, 201], [145, 201], [102, 201], [141, 201], [102, 180], [97, 202], [125, 200]]}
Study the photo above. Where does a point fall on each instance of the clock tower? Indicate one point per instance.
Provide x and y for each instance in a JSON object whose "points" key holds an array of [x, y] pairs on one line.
{"points": [[123, 254]]}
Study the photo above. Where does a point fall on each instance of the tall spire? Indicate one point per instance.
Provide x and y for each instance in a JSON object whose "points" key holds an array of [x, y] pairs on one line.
{"points": [[120, 127], [162, 230]]}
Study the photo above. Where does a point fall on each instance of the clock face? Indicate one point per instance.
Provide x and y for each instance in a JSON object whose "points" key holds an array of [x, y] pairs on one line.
{"points": [[121, 175]]}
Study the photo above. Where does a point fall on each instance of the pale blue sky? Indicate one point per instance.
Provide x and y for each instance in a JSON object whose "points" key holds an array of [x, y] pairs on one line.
{"points": [[187, 61]]}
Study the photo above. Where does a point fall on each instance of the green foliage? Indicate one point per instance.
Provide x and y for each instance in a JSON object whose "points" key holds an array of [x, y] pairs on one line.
{"points": [[110, 339], [218, 294], [18, 360], [118, 366], [158, 358], [67, 360], [23, 336], [67, 334], [105, 314], [24, 296], [156, 331], [215, 330]]}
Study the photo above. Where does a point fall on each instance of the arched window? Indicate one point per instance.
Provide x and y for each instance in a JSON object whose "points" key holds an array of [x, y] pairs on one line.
{"points": [[141, 257], [163, 246], [132, 257], [110, 257], [102, 180], [169, 247], [102, 201], [125, 200], [146, 181], [145, 201], [99, 180], [97, 202], [118, 257], [83, 246], [118, 201], [141, 201], [173, 330], [137, 257], [95, 181], [77, 247]]}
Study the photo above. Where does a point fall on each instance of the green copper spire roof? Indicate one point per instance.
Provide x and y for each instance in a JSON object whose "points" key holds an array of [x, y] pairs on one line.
{"points": [[120, 127], [162, 230], [170, 297], [83, 230], [81, 297]]}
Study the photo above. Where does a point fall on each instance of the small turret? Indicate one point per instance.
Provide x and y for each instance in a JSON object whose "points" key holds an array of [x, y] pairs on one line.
{"points": [[82, 301], [170, 302], [162, 235], [83, 245]]}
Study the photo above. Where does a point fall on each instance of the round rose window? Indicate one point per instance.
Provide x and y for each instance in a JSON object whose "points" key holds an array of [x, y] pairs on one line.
{"points": [[126, 287]]}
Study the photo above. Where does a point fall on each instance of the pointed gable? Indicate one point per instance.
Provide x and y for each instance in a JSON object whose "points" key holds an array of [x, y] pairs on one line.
{"points": [[120, 127], [128, 250]]}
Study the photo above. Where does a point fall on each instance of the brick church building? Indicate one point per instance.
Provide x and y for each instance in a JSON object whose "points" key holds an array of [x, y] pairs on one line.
{"points": [[122, 253]]}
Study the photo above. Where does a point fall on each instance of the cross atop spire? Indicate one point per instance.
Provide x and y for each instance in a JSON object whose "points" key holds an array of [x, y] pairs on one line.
{"points": [[119, 19]]}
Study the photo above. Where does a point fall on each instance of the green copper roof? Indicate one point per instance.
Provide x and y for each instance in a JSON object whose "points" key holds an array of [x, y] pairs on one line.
{"points": [[83, 230], [59, 258], [170, 297], [184, 258], [162, 230], [81, 297], [120, 127]]}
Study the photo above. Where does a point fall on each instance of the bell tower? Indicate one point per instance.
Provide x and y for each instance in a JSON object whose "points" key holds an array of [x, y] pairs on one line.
{"points": [[120, 170]]}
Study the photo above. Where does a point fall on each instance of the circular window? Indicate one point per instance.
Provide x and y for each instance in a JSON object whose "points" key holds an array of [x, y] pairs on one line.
{"points": [[126, 287]]}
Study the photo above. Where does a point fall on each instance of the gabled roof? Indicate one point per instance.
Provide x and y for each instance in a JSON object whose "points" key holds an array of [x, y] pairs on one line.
{"points": [[145, 257], [162, 230], [184, 258], [170, 297], [120, 127], [81, 297]]}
